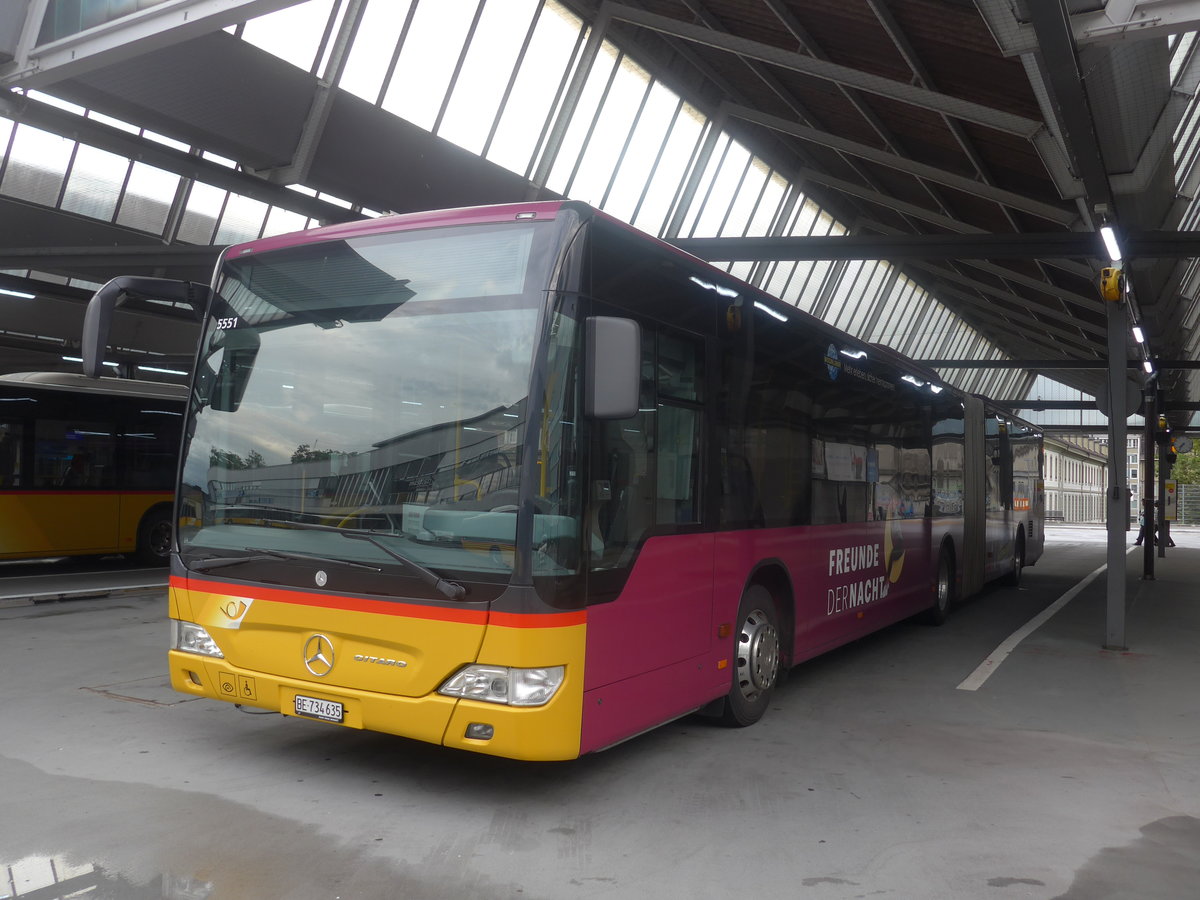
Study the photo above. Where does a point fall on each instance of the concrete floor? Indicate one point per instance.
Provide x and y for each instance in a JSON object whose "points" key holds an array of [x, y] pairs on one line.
{"points": [[1073, 772]]}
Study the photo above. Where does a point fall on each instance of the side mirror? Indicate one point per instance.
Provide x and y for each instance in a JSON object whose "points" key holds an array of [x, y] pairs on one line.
{"points": [[97, 320], [612, 367], [237, 362]]}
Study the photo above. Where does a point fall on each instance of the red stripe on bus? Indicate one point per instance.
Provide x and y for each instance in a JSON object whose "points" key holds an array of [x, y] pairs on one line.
{"points": [[332, 601], [539, 620], [383, 607], [57, 492]]}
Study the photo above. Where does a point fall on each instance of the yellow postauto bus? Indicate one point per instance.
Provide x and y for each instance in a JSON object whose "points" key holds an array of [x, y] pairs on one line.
{"points": [[524, 481], [87, 466]]}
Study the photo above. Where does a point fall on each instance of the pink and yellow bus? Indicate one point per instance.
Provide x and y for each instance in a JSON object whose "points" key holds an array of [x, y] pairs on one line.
{"points": [[524, 481], [87, 467]]}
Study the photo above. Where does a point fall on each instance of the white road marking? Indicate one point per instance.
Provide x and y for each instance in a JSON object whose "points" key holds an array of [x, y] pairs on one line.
{"points": [[984, 670]]}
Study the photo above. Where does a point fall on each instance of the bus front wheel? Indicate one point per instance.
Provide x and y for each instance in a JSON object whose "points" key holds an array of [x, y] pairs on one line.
{"points": [[943, 590], [154, 537], [757, 659]]}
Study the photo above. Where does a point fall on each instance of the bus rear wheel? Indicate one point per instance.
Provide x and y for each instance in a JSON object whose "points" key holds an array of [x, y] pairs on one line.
{"points": [[1013, 578], [757, 659], [154, 537]]}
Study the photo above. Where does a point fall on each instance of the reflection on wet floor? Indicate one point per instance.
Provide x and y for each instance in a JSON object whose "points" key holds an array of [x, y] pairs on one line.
{"points": [[114, 840], [56, 878]]}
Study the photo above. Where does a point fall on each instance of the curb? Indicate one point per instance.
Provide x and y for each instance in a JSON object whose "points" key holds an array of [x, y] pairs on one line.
{"points": [[16, 600]]}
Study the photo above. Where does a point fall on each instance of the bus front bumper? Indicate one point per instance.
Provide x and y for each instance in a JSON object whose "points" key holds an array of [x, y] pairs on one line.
{"points": [[549, 732]]}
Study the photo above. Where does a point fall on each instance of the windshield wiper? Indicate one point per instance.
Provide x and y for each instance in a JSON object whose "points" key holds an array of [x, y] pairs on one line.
{"points": [[260, 553], [451, 589]]}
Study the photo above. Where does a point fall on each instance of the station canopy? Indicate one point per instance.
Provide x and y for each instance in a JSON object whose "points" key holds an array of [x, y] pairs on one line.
{"points": [[932, 175]]}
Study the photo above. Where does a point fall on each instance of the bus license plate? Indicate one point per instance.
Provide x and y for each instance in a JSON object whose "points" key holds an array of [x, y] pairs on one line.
{"points": [[325, 710]]}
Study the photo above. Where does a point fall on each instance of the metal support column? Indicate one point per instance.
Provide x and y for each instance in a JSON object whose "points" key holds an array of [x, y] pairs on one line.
{"points": [[1147, 533], [1118, 493], [1160, 509]]}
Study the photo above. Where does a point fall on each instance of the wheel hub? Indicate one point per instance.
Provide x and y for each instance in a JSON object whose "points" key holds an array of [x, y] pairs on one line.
{"points": [[758, 654]]}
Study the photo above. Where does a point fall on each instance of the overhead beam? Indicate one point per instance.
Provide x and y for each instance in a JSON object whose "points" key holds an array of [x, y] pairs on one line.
{"points": [[1057, 59], [1030, 245], [168, 255], [1009, 276], [817, 68], [1048, 336], [1097, 364], [1124, 21], [1050, 212], [811, 48], [64, 123], [122, 38]]}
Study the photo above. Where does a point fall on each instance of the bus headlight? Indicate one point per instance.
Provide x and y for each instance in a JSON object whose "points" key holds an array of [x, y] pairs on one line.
{"points": [[500, 684], [191, 638]]}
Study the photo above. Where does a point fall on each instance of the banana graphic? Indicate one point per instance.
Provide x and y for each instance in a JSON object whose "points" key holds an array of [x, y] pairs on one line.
{"points": [[893, 550]]}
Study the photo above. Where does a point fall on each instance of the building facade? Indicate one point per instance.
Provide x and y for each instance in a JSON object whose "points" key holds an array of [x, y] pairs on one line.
{"points": [[1076, 478]]}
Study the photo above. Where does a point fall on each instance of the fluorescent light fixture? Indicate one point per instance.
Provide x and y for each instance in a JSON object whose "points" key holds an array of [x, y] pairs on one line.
{"points": [[1148, 366], [1138, 334], [79, 359], [1110, 242], [160, 371], [20, 295], [770, 312]]}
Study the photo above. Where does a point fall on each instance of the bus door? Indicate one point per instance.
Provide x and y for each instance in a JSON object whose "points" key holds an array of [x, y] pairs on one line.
{"points": [[997, 463], [650, 568]]}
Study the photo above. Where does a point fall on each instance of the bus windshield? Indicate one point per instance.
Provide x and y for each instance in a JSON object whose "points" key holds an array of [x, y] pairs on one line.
{"points": [[374, 384]]}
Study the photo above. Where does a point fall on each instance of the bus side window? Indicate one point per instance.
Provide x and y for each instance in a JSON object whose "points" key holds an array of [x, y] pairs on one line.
{"points": [[11, 437], [678, 464], [75, 454]]}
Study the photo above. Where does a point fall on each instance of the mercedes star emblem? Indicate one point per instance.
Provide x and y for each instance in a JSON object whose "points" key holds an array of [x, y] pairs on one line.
{"points": [[318, 655]]}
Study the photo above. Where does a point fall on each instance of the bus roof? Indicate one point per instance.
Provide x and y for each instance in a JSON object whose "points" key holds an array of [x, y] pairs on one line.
{"points": [[78, 383], [469, 215]]}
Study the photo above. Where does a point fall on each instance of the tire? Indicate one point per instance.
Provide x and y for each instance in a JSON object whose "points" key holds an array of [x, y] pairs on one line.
{"points": [[943, 592], [1013, 578], [757, 659], [154, 537]]}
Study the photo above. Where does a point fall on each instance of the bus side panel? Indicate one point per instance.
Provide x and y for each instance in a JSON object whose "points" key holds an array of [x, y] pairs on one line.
{"points": [[648, 657], [57, 523], [847, 580], [651, 652]]}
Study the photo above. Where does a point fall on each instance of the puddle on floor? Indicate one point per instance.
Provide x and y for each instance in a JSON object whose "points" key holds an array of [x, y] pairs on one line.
{"points": [[71, 837]]}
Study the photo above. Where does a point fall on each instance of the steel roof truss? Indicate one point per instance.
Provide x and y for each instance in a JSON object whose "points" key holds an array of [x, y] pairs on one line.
{"points": [[875, 84]]}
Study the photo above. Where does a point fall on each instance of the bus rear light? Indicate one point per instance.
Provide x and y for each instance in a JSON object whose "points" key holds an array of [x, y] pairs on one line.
{"points": [[191, 638], [500, 684]]}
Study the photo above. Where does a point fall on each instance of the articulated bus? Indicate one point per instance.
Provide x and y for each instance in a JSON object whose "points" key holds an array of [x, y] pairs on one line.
{"points": [[87, 467], [524, 481]]}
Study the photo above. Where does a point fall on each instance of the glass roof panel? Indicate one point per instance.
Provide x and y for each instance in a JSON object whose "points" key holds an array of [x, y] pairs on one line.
{"points": [[479, 89]]}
